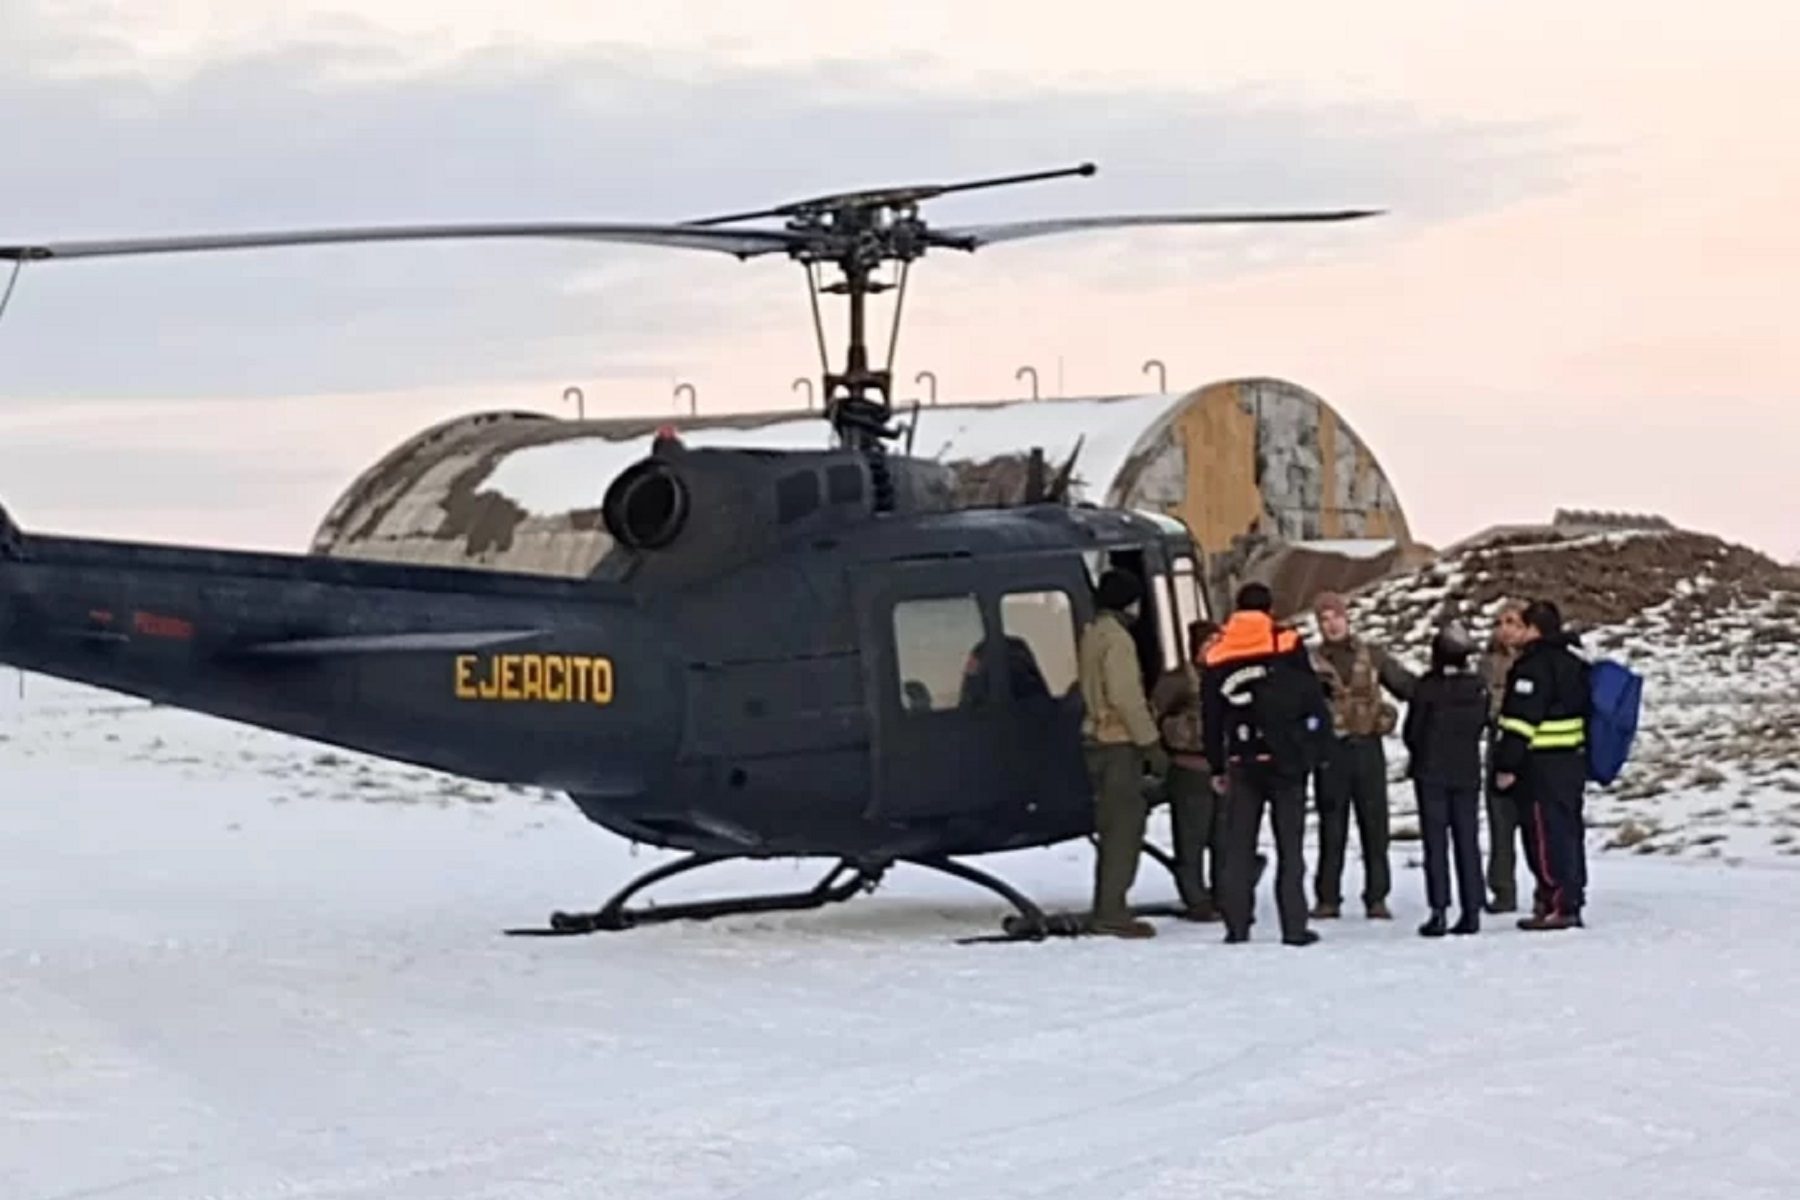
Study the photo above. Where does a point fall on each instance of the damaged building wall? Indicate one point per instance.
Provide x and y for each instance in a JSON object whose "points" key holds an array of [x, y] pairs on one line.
{"points": [[1245, 464]]}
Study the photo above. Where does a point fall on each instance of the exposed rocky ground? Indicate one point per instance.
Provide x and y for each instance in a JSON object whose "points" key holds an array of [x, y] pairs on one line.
{"points": [[1715, 631]]}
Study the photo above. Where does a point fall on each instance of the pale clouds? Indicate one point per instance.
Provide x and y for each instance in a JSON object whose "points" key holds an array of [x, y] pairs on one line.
{"points": [[1592, 227], [293, 135]]}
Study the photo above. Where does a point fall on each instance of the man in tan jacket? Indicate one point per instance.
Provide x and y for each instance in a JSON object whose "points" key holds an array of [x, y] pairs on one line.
{"points": [[1121, 740]]}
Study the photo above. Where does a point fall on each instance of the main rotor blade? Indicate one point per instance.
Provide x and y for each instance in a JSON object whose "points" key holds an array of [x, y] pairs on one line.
{"points": [[741, 242], [894, 196], [970, 237]]}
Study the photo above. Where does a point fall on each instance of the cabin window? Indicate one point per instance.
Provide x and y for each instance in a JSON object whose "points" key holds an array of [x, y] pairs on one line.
{"points": [[1040, 642], [1169, 627], [1189, 606], [1155, 624], [937, 644]]}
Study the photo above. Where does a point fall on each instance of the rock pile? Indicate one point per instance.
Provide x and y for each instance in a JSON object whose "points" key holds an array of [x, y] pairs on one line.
{"points": [[1602, 580], [1713, 628]]}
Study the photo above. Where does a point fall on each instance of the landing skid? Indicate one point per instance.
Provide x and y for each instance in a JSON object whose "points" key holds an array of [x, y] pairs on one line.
{"points": [[841, 883], [1028, 922]]}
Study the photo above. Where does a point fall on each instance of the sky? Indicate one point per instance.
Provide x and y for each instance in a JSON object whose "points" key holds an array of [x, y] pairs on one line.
{"points": [[1577, 296]]}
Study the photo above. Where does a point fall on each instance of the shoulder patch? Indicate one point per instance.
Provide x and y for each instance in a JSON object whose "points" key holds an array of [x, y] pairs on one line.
{"points": [[1524, 687]]}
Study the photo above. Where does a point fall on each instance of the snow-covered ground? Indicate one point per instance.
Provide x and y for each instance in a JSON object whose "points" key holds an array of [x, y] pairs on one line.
{"points": [[236, 966]]}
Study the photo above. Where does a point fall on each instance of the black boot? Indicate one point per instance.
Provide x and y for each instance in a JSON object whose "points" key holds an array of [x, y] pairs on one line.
{"points": [[1468, 923], [1435, 926], [1305, 937]]}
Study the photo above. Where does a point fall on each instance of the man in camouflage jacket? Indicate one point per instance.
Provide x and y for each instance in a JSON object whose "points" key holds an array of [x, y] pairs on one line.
{"points": [[1354, 672], [1504, 830], [1194, 810]]}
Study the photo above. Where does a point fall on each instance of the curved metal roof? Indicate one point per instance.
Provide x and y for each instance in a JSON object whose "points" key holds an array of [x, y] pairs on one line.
{"points": [[521, 491]]}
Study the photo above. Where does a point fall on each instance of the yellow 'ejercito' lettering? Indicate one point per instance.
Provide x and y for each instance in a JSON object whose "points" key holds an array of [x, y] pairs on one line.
{"points": [[547, 678]]}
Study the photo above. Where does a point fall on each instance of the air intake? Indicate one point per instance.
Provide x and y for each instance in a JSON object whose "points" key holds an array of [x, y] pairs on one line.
{"points": [[647, 506]]}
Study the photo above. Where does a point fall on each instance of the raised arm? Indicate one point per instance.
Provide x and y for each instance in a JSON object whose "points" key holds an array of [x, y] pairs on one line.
{"points": [[1395, 676]]}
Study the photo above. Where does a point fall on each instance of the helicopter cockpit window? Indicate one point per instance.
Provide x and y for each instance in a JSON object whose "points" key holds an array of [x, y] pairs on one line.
{"points": [[932, 640], [1042, 625]]}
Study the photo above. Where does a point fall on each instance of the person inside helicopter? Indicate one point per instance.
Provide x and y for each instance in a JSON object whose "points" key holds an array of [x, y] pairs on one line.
{"points": [[1025, 680], [918, 696]]}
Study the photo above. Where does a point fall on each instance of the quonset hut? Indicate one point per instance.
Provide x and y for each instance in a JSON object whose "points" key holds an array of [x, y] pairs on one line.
{"points": [[1270, 480]]}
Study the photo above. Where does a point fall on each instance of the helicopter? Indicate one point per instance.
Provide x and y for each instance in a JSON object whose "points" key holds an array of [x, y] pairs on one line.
{"points": [[784, 653]]}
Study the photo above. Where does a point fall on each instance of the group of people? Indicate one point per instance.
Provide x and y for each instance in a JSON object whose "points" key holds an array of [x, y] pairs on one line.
{"points": [[1258, 714]]}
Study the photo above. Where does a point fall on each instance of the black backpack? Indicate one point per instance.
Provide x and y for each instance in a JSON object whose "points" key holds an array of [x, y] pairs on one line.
{"points": [[1289, 705]]}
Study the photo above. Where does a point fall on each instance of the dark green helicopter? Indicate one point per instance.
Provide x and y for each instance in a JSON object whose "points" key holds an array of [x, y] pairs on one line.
{"points": [[784, 654]]}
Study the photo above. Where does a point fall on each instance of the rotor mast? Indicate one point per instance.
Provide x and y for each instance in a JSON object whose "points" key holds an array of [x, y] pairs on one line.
{"points": [[859, 398], [858, 233]]}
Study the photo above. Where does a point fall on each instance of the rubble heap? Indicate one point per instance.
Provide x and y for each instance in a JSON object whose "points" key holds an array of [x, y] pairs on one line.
{"points": [[1598, 580], [1713, 628]]}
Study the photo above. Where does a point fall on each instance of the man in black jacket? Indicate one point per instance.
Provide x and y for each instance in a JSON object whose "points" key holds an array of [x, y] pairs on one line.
{"points": [[1444, 724], [1263, 713], [1541, 759]]}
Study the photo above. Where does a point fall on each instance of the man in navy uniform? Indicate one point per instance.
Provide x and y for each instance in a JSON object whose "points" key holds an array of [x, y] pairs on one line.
{"points": [[1541, 760]]}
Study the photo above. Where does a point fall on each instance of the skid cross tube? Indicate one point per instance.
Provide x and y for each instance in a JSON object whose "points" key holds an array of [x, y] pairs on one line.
{"points": [[614, 916], [1028, 922]]}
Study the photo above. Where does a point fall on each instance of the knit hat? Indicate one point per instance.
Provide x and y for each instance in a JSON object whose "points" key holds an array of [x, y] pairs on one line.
{"points": [[1326, 602], [1118, 591]]}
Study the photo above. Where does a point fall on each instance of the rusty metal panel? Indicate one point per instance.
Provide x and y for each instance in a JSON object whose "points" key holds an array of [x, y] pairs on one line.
{"points": [[1219, 436]]}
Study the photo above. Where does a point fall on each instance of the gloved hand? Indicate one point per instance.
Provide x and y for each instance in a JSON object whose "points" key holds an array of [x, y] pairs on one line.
{"points": [[1157, 760]]}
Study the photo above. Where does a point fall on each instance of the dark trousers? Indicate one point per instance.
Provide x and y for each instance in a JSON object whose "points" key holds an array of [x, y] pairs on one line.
{"points": [[1448, 820], [1504, 832], [1528, 840], [1252, 788], [1354, 780], [1120, 813], [1552, 804], [1197, 830]]}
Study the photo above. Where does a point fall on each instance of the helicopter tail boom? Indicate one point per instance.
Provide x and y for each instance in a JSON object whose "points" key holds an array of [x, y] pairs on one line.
{"points": [[413, 664]]}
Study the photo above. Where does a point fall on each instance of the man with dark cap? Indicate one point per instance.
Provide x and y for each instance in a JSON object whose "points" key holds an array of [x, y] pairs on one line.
{"points": [[1541, 760], [1264, 721], [1354, 778], [1121, 740]]}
